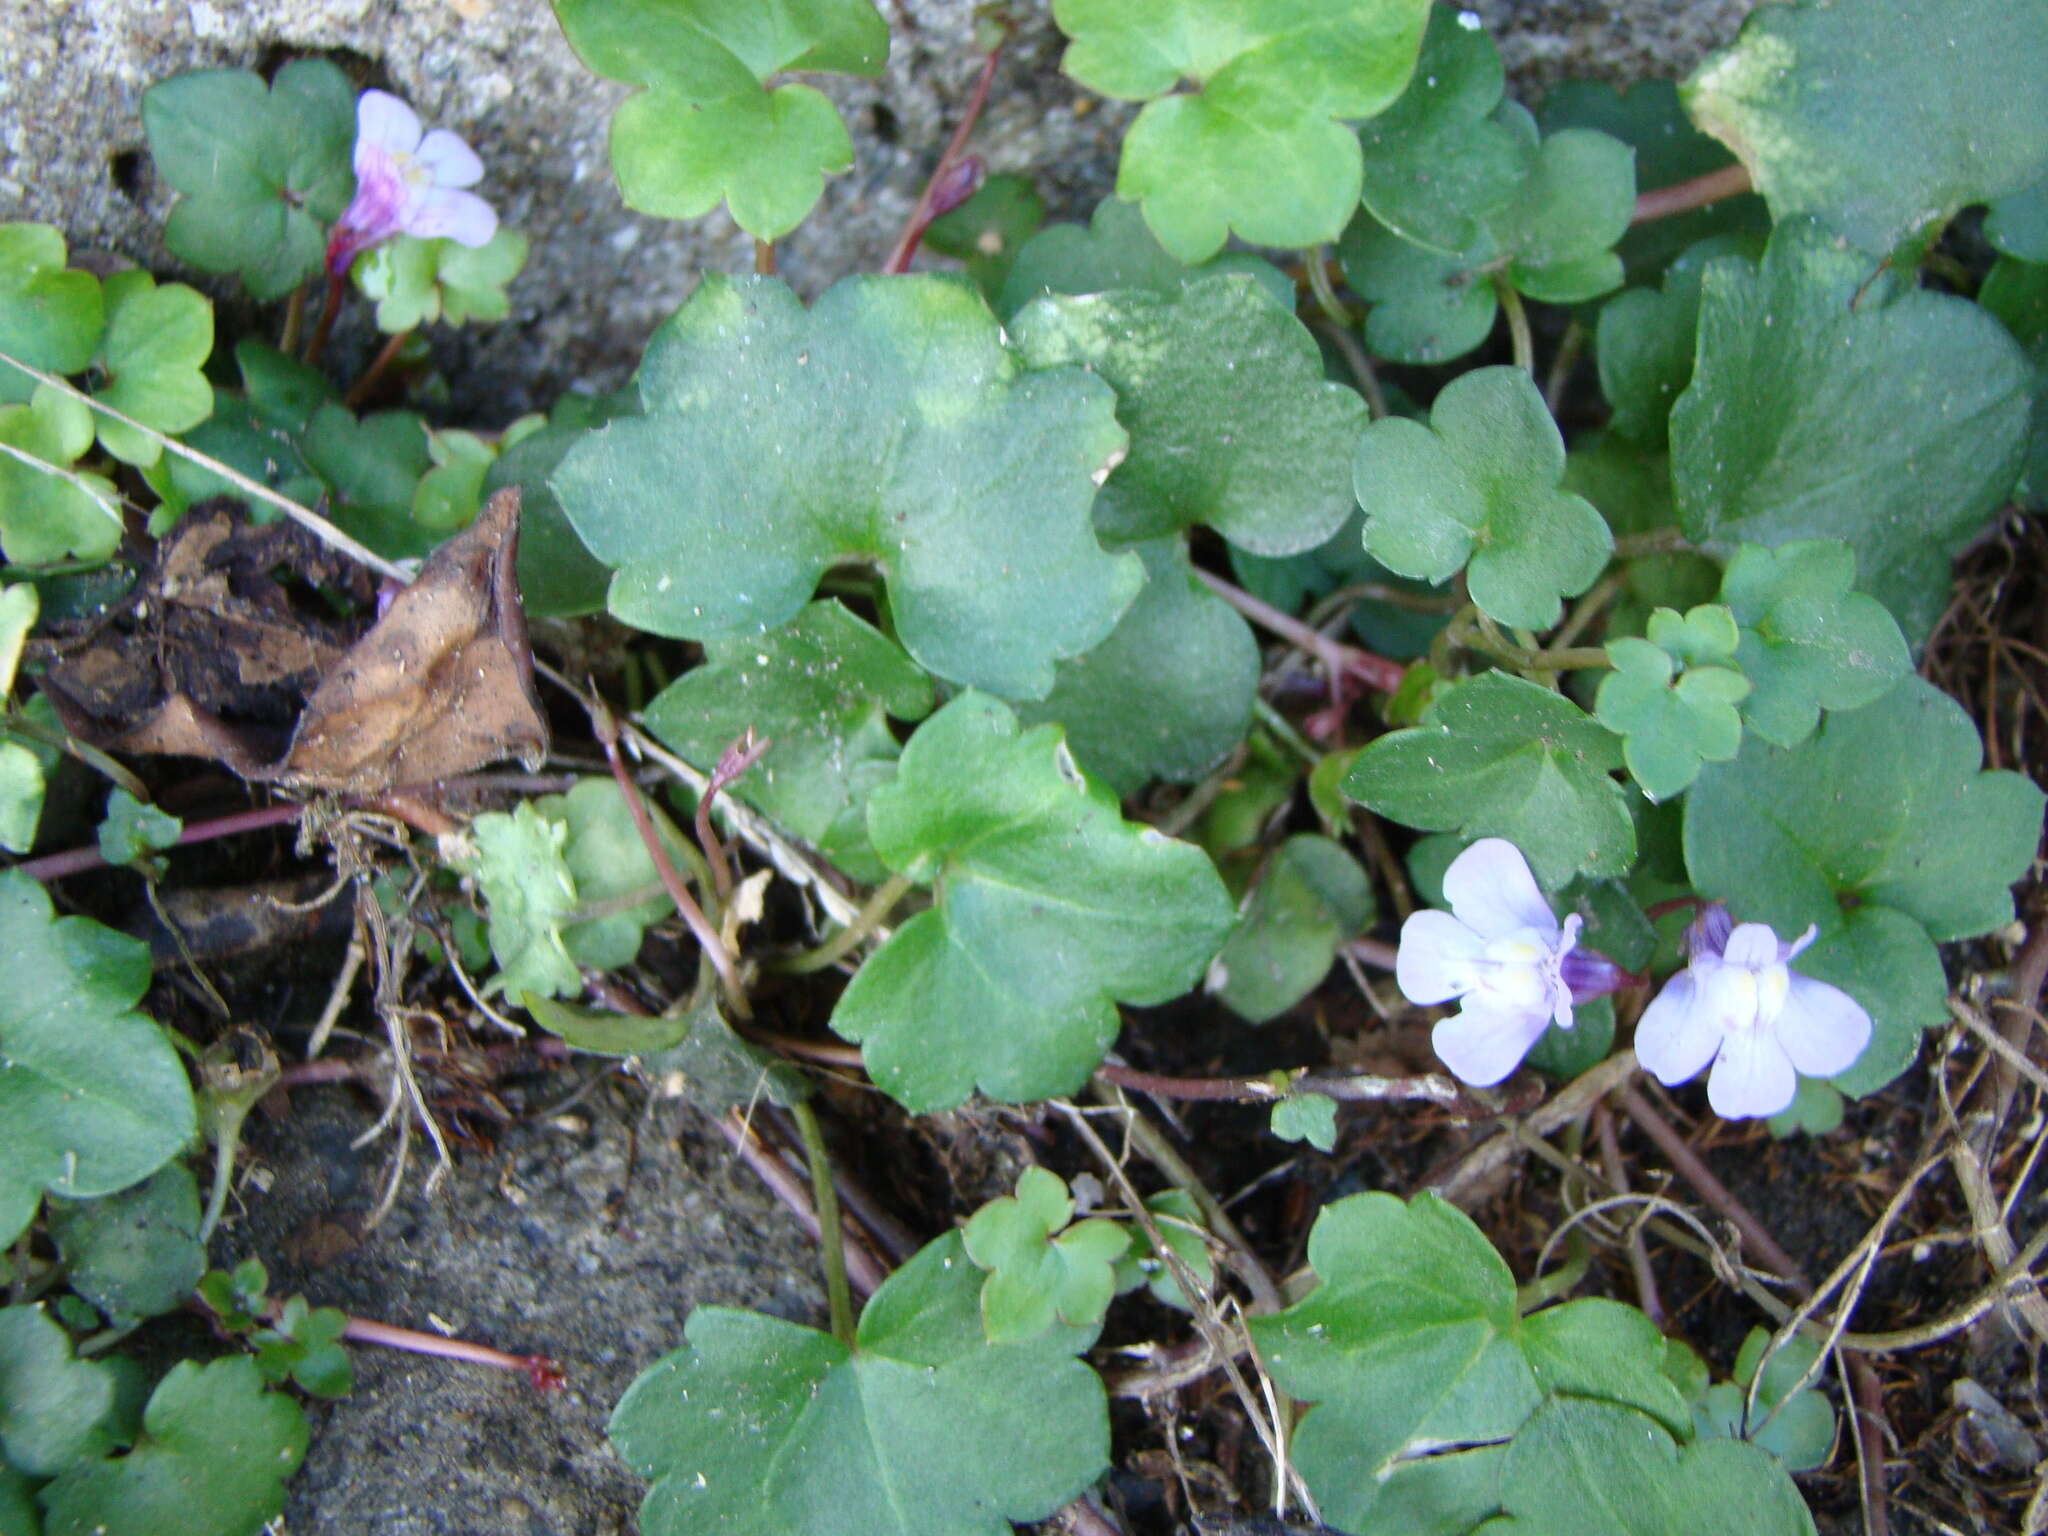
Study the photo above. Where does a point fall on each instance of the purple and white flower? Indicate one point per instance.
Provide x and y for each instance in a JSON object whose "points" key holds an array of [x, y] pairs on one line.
{"points": [[1738, 1005], [1502, 953], [408, 182]]}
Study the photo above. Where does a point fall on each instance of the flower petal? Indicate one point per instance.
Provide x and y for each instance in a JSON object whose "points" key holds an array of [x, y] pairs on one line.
{"points": [[1822, 1028], [1678, 1033], [1482, 1047], [1438, 959], [1491, 890], [384, 122], [462, 217], [448, 160], [1752, 1077], [1753, 946]]}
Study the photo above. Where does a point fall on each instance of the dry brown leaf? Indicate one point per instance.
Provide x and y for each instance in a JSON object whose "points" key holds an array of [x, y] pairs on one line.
{"points": [[442, 685]]}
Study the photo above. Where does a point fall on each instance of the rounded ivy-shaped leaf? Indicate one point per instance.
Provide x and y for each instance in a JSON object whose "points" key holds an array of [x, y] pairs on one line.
{"points": [[53, 1409], [1128, 719], [1258, 448], [135, 1253], [1256, 148], [1310, 897], [50, 317], [1499, 756], [156, 342], [1819, 410], [46, 516], [759, 1427], [888, 424], [1114, 250], [261, 169], [92, 1097], [1049, 909], [1477, 487], [1041, 1269]]}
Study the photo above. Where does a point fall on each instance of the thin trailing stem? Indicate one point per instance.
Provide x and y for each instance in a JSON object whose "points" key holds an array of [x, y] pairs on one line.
{"points": [[1470, 629], [700, 926], [1376, 672], [764, 258], [1561, 366], [1348, 1087], [373, 375], [831, 1242], [1699, 192], [19, 724], [927, 208], [734, 761], [337, 285], [1656, 541], [1518, 323], [873, 913], [294, 321], [544, 1374], [1362, 372], [55, 866]]}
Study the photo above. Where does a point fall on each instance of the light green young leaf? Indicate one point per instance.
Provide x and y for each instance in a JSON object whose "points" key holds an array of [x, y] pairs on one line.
{"points": [[46, 516], [1309, 1117], [821, 691], [1896, 427], [1310, 897], [606, 861], [1880, 829], [1498, 756], [1179, 1221], [1116, 250], [1420, 1370], [517, 863], [261, 168], [887, 424], [1256, 147], [1799, 94], [1594, 1469], [21, 796], [156, 342], [50, 318], [1796, 1427], [415, 281], [1670, 721], [1808, 642], [449, 495], [132, 830], [1259, 449], [1049, 909], [95, 1098], [304, 1345], [134, 1253], [758, 1427], [1041, 1270], [1128, 718], [53, 1409], [708, 126], [603, 1033], [19, 605], [212, 1461], [1478, 484]]}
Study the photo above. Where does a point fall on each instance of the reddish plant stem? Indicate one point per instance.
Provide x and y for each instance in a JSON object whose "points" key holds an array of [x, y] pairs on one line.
{"points": [[342, 1069], [1870, 1435], [1376, 672], [764, 258], [922, 212], [1373, 952], [366, 386], [1685, 196], [1638, 1252], [732, 762], [337, 284], [693, 915], [544, 1374], [73, 861]]}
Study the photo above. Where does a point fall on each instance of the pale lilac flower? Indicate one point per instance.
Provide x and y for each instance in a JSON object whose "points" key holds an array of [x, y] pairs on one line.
{"points": [[408, 182], [1762, 1025], [1503, 953]]}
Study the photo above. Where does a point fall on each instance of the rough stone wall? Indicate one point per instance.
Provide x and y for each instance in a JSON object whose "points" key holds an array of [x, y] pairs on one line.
{"points": [[72, 153]]}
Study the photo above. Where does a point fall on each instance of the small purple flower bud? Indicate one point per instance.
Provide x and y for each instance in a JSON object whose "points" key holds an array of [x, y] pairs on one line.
{"points": [[1590, 974], [961, 181]]}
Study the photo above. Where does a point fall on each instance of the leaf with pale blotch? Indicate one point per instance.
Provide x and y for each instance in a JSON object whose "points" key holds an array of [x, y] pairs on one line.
{"points": [[1258, 449], [1049, 909], [1801, 94], [888, 424]]}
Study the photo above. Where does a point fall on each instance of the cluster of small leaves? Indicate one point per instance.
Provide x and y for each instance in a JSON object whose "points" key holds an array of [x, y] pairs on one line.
{"points": [[290, 1340]]}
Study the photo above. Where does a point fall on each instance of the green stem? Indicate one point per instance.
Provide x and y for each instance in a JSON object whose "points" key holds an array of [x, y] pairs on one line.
{"points": [[1360, 365], [831, 1240], [15, 723], [1544, 1289], [1518, 323], [1469, 630], [1561, 365], [1319, 284], [1284, 730], [846, 940], [1658, 541]]}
